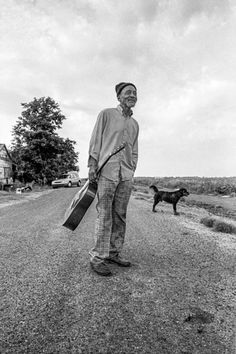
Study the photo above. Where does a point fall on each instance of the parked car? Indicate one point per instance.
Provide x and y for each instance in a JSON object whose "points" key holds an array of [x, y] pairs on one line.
{"points": [[68, 179]]}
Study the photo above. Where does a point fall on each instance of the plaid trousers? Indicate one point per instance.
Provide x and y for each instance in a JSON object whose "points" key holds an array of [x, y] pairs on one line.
{"points": [[113, 198]]}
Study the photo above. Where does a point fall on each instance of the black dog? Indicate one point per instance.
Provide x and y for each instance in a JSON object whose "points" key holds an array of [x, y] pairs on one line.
{"points": [[169, 197]]}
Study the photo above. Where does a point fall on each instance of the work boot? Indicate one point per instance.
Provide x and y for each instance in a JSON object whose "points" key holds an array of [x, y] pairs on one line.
{"points": [[101, 268], [120, 261]]}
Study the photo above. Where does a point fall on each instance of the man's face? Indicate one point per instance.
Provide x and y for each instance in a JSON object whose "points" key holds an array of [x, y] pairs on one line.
{"points": [[128, 96]]}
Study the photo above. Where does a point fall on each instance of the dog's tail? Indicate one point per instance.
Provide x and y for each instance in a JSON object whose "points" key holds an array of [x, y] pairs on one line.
{"points": [[154, 188]]}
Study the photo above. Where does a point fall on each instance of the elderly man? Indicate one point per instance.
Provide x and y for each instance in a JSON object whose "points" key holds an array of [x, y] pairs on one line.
{"points": [[114, 127]]}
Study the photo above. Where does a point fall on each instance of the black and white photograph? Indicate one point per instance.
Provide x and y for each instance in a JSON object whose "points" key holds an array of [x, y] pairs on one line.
{"points": [[117, 176]]}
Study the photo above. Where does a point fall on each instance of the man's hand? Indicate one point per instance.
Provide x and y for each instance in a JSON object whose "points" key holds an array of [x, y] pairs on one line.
{"points": [[92, 173], [93, 167]]}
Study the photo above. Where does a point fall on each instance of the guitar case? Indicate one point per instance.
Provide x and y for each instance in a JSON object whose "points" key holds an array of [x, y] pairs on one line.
{"points": [[83, 199], [79, 205]]}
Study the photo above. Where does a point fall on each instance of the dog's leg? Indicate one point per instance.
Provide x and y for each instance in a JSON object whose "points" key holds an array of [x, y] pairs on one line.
{"points": [[174, 207], [154, 204], [153, 208]]}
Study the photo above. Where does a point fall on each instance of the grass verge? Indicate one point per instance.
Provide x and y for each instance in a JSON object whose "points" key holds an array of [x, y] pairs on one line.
{"points": [[217, 225]]}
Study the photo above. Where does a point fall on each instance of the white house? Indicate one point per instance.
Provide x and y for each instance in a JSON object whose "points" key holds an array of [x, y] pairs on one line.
{"points": [[6, 166]]}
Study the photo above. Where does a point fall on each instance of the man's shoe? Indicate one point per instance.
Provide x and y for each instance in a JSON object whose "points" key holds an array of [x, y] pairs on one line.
{"points": [[101, 269], [120, 261]]}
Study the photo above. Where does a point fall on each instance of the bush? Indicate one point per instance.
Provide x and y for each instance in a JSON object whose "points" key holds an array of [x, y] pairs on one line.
{"points": [[207, 221], [219, 226], [224, 227]]}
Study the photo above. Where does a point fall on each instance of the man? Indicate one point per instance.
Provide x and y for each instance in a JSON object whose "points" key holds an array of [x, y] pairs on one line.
{"points": [[114, 127]]}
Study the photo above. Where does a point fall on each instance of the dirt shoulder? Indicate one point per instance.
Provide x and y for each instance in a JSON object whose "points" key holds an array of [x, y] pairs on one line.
{"points": [[199, 273], [12, 198], [223, 206]]}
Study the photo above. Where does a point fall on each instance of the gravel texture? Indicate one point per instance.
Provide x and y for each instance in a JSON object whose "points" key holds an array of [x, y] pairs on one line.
{"points": [[178, 296]]}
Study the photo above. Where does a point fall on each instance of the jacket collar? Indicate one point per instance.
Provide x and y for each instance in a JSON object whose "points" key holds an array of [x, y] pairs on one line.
{"points": [[128, 114]]}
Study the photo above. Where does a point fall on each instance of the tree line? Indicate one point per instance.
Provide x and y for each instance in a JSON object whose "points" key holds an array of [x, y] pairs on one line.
{"points": [[37, 150]]}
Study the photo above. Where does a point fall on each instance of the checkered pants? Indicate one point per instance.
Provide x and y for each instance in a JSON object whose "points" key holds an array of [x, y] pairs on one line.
{"points": [[113, 198]]}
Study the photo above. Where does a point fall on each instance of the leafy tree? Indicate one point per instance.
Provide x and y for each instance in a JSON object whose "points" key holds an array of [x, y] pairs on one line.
{"points": [[37, 149]]}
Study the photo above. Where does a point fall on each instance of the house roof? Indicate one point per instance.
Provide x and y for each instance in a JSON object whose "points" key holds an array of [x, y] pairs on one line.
{"points": [[3, 147]]}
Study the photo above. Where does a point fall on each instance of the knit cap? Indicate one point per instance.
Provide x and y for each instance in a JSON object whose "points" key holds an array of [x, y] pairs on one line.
{"points": [[121, 86]]}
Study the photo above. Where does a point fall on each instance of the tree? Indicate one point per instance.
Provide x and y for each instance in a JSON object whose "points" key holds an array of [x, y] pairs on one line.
{"points": [[37, 149]]}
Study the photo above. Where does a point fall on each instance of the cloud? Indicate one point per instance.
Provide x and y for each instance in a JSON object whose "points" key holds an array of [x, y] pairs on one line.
{"points": [[179, 53]]}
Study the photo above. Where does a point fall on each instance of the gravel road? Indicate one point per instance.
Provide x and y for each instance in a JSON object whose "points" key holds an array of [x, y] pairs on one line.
{"points": [[178, 297]]}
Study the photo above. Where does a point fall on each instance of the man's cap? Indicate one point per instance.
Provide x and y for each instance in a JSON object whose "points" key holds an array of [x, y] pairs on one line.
{"points": [[122, 85]]}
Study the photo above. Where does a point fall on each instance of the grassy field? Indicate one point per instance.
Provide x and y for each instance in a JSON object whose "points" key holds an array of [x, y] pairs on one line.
{"points": [[218, 204], [196, 185]]}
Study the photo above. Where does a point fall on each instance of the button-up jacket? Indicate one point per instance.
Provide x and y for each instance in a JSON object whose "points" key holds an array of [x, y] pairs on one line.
{"points": [[111, 130]]}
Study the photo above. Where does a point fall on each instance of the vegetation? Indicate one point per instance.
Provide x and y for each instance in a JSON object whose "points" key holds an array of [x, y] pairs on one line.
{"points": [[218, 225], [207, 221], [38, 151], [196, 185]]}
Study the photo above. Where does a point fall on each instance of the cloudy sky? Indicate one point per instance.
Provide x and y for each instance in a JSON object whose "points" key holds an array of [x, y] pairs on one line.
{"points": [[181, 54]]}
